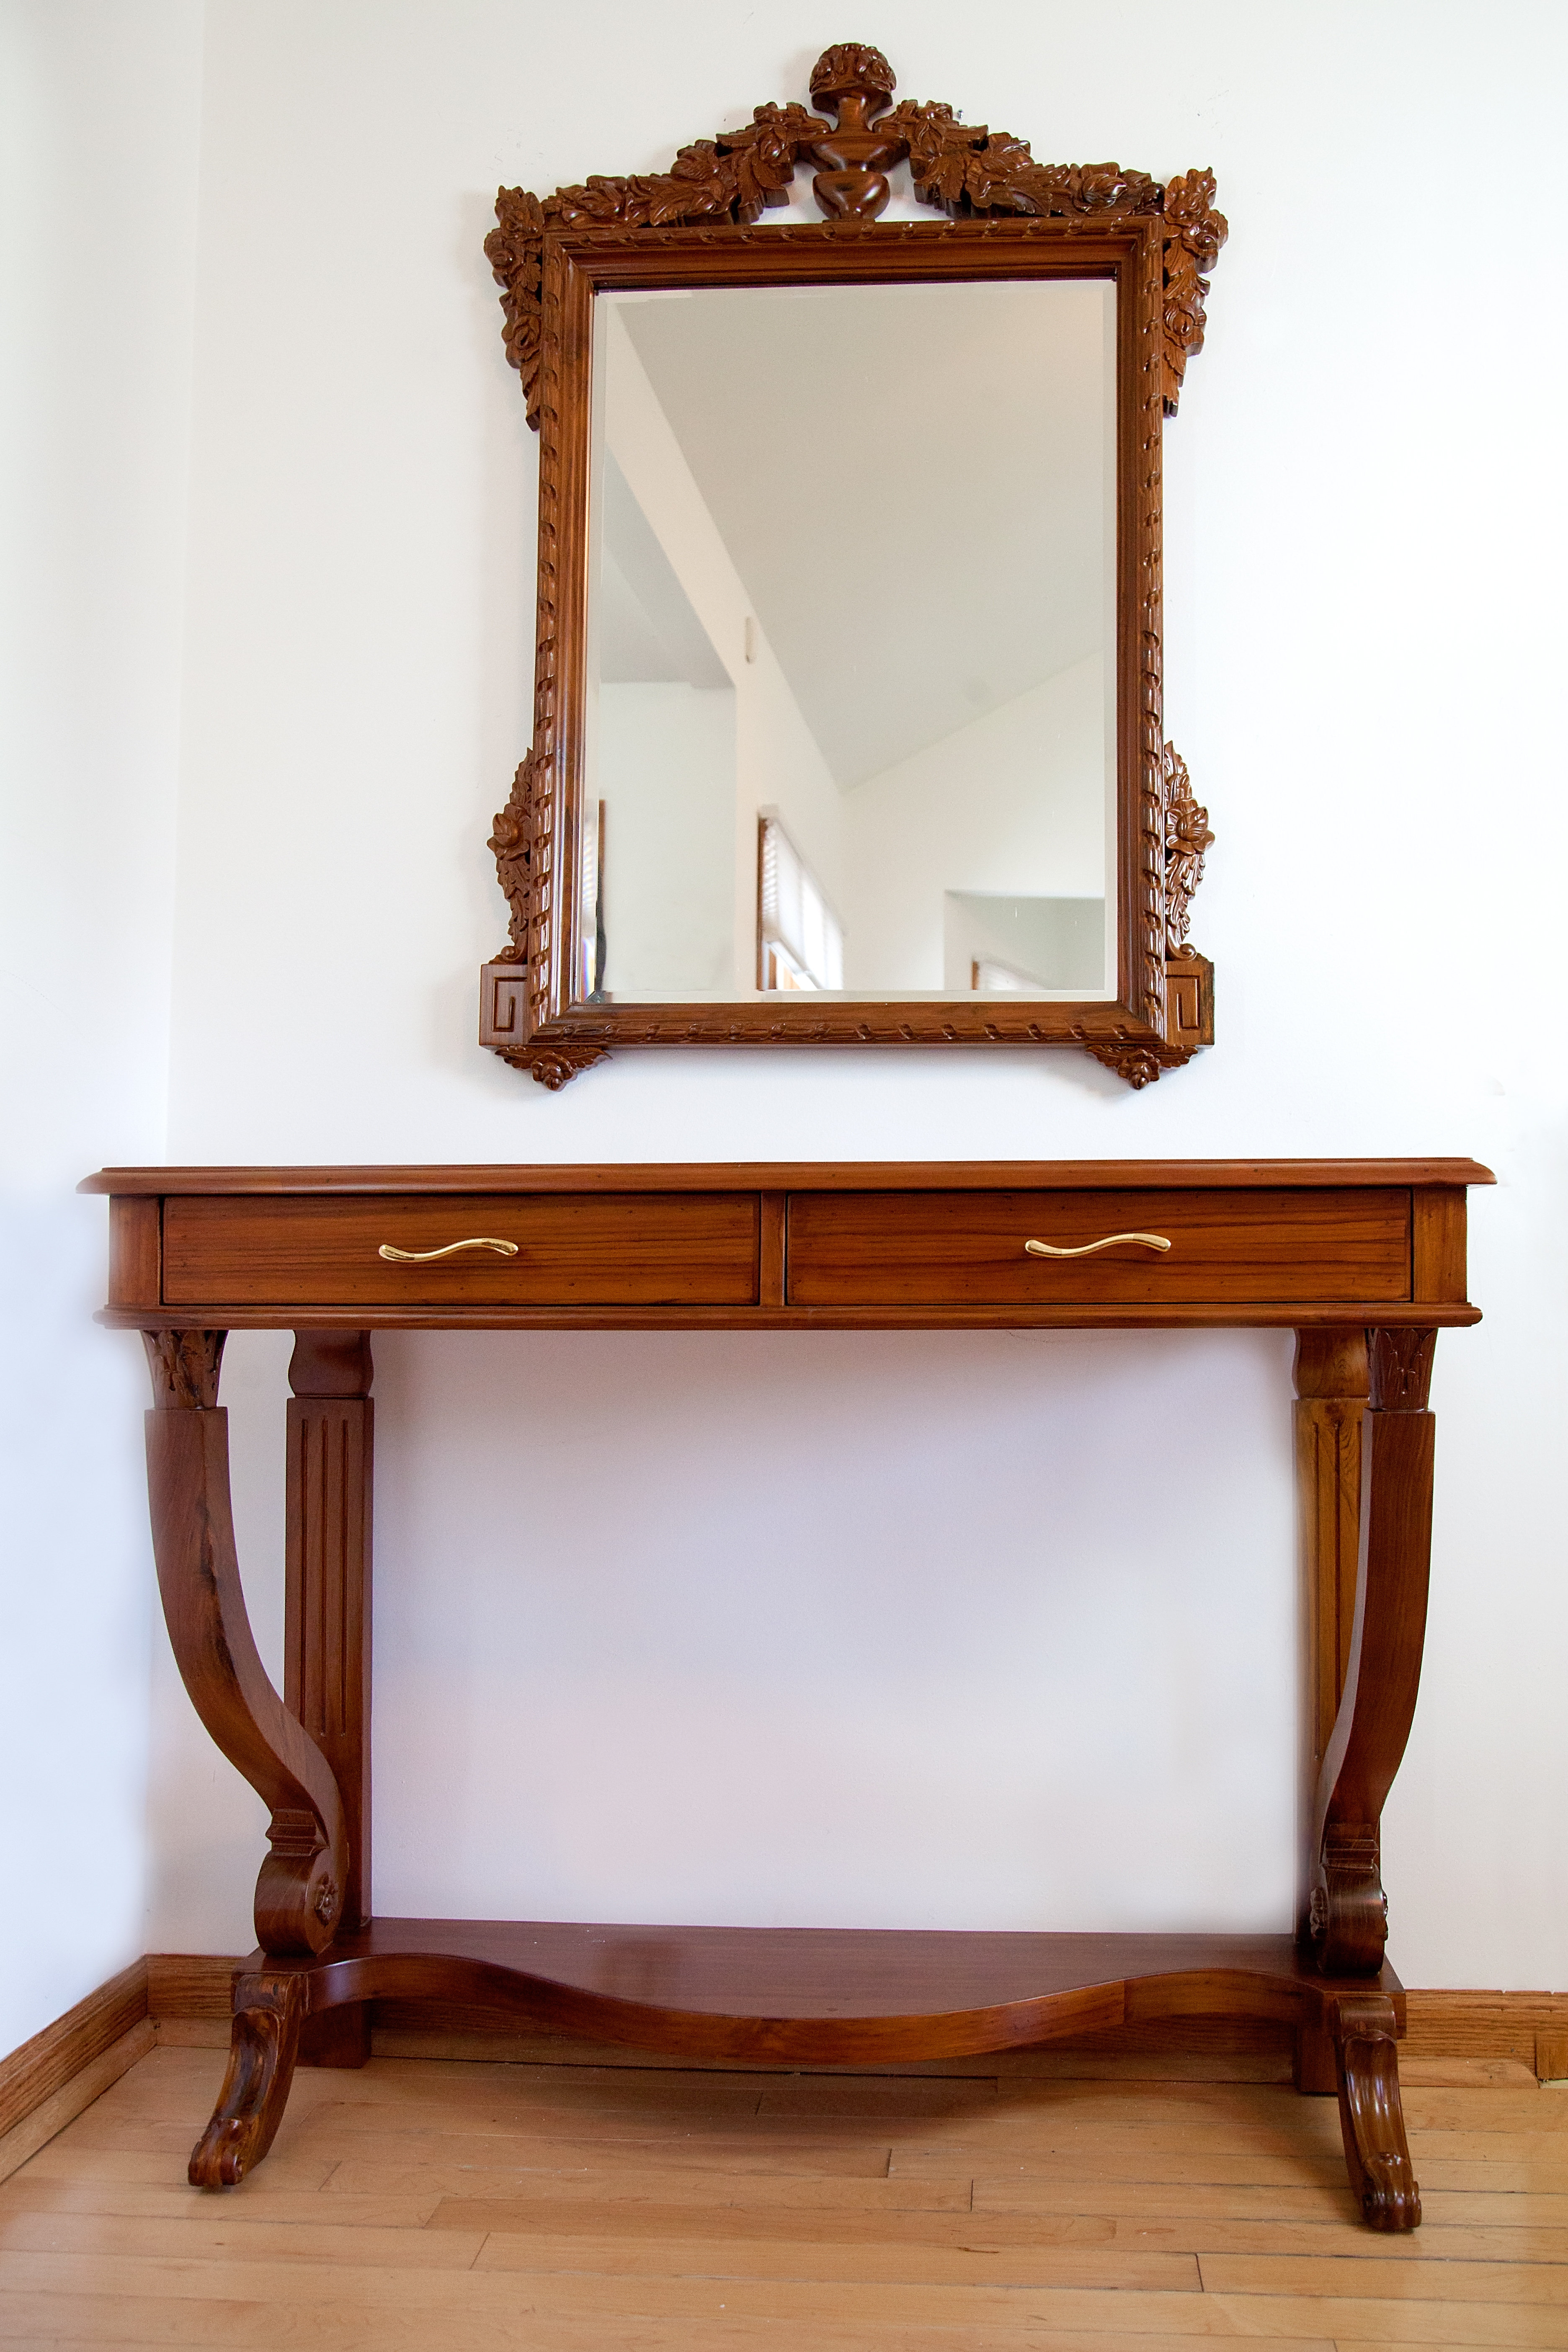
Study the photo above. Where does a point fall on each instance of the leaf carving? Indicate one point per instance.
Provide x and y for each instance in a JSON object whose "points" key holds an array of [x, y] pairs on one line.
{"points": [[515, 251], [1188, 836], [1193, 236], [512, 843]]}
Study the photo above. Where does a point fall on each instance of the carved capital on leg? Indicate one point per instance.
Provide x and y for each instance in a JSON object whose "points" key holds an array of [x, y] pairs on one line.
{"points": [[263, 2045], [1348, 1918], [1399, 1361], [1377, 2156], [184, 1367], [300, 1893]]}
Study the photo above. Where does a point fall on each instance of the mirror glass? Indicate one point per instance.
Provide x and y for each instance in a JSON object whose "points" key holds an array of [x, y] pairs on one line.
{"points": [[851, 683]]}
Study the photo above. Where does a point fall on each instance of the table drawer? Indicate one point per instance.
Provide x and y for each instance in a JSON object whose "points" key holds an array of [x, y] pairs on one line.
{"points": [[602, 1249], [964, 1249]]}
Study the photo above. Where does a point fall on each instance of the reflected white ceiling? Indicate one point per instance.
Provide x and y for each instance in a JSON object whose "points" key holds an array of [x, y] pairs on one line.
{"points": [[914, 483]]}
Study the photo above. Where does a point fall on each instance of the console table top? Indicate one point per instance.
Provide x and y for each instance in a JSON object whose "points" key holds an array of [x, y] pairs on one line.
{"points": [[786, 1175]]}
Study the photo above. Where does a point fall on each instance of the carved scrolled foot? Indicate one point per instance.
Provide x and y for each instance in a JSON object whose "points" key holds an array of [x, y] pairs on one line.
{"points": [[268, 2013], [1377, 2155]]}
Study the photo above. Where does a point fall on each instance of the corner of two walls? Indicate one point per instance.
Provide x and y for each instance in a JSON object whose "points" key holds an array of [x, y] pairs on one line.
{"points": [[100, 141]]}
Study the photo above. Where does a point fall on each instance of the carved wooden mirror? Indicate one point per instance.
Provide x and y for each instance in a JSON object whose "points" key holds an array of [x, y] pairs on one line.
{"points": [[849, 723]]}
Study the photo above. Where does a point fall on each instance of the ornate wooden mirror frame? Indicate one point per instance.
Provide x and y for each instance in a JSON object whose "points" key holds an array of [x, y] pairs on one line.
{"points": [[1004, 217]]}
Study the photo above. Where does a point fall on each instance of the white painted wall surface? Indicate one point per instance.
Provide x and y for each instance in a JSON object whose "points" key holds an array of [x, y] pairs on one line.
{"points": [[1361, 665], [99, 108]]}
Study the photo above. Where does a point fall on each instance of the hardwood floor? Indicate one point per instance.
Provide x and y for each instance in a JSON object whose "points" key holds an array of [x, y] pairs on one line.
{"points": [[428, 2204]]}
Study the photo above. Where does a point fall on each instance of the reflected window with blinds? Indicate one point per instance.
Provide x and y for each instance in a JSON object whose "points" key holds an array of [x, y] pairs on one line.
{"points": [[800, 941]]}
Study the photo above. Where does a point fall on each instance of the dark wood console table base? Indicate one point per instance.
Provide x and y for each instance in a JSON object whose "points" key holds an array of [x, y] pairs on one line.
{"points": [[1365, 1259]]}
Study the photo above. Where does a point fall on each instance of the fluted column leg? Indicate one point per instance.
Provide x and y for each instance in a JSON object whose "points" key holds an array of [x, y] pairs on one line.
{"points": [[330, 1420]]}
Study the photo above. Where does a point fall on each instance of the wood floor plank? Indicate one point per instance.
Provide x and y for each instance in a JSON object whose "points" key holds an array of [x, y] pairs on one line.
{"points": [[95, 2321], [1129, 2161], [1481, 2148], [1515, 2210], [669, 2184], [68, 2158], [665, 2256], [1196, 2147], [1071, 2190], [1414, 2327], [1532, 2110], [764, 2158], [1202, 2142], [1531, 2179], [1417, 2277], [256, 2200], [1033, 2192], [741, 2220], [473, 2107], [479, 2293], [1139, 2230], [332, 2142], [1417, 2072], [476, 2297], [879, 2096], [209, 2236]]}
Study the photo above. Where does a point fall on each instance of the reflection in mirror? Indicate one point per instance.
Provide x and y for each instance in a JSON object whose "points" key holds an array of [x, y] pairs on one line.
{"points": [[850, 710]]}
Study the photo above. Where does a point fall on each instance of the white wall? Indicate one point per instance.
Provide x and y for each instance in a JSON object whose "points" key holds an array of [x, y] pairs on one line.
{"points": [[1360, 591], [97, 193]]}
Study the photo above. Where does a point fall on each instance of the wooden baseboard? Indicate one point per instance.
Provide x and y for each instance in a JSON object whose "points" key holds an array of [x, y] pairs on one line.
{"points": [[51, 2078], [190, 1988], [1531, 2028], [188, 2000]]}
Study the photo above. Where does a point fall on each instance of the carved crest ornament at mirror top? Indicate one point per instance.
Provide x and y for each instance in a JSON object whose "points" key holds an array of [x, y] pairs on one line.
{"points": [[698, 224]]}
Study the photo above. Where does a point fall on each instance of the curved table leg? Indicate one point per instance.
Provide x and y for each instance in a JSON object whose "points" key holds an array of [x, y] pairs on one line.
{"points": [[1348, 1921], [300, 1891], [264, 2043], [1377, 2155]]}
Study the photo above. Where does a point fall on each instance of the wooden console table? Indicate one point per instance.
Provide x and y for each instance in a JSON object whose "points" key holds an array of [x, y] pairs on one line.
{"points": [[1364, 1258]]}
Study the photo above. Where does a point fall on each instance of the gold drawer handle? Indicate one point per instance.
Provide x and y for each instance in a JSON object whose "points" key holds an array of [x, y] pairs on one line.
{"points": [[1049, 1249], [423, 1257]]}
